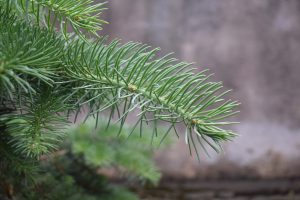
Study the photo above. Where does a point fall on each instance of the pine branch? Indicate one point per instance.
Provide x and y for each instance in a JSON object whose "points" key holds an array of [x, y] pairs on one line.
{"points": [[169, 90], [82, 16], [122, 78], [26, 53], [37, 127]]}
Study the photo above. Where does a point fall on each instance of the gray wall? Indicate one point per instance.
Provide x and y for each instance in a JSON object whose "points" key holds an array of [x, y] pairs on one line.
{"points": [[252, 45]]}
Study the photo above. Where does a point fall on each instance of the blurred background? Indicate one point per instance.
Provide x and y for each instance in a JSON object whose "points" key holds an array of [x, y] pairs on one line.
{"points": [[253, 47]]}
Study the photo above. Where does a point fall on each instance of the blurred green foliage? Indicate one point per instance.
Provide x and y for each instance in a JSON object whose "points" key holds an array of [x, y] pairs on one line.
{"points": [[72, 173], [105, 147]]}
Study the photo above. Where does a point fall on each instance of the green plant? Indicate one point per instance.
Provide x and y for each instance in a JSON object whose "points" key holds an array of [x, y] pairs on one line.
{"points": [[53, 65], [73, 172], [102, 147]]}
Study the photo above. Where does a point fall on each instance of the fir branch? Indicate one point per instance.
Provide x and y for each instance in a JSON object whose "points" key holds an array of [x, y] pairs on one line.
{"points": [[38, 127], [82, 16], [107, 76], [26, 53], [131, 74]]}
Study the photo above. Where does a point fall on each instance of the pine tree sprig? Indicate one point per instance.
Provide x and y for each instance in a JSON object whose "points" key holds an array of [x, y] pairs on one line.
{"points": [[80, 16], [131, 75], [112, 76], [37, 127], [26, 53]]}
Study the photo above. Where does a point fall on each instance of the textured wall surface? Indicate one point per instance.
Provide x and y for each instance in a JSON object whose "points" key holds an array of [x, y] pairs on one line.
{"points": [[254, 47]]}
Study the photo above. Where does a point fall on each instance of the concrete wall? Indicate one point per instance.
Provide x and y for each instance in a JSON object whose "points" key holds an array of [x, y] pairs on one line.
{"points": [[253, 46]]}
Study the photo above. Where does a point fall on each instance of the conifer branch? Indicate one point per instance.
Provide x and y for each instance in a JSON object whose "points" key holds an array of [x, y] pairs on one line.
{"points": [[26, 53], [131, 75], [81, 16], [37, 127], [118, 77]]}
